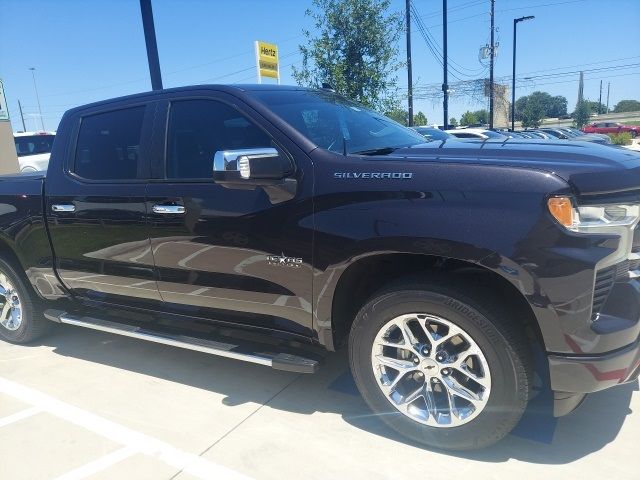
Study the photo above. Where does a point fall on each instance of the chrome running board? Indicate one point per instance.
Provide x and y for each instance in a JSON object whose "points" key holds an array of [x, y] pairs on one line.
{"points": [[278, 361]]}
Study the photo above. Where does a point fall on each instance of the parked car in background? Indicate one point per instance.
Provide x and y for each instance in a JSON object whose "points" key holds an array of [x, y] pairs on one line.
{"points": [[432, 133], [541, 134], [508, 133], [476, 133], [611, 127], [564, 135], [529, 135], [33, 149], [578, 133]]}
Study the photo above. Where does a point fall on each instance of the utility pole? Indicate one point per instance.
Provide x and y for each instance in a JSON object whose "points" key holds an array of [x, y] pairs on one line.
{"points": [[24, 128], [491, 56], [152, 46], [608, 90], [513, 77], [445, 86], [35, 87], [409, 68], [600, 100]]}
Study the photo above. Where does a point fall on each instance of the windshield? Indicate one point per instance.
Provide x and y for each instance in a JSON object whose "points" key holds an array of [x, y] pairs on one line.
{"points": [[33, 144], [328, 120]]}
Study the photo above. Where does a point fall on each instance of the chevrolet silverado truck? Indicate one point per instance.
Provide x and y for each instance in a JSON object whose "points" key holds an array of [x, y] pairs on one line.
{"points": [[275, 224]]}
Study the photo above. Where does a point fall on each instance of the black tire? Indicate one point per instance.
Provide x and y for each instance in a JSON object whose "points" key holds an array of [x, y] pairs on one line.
{"points": [[634, 134], [33, 324], [503, 344]]}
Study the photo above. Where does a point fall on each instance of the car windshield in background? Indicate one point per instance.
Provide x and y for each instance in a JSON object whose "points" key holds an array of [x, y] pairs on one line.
{"points": [[33, 144], [329, 120], [492, 134], [433, 133]]}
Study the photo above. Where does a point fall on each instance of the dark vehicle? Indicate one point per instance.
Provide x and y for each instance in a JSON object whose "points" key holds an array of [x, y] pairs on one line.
{"points": [[272, 224], [431, 133]]}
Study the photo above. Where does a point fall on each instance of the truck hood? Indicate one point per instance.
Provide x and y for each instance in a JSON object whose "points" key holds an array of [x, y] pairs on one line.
{"points": [[589, 168]]}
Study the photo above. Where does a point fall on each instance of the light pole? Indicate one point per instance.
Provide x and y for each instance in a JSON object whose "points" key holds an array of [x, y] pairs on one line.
{"points": [[33, 74], [513, 78]]}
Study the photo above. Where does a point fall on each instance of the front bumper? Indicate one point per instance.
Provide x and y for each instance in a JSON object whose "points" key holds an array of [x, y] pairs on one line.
{"points": [[591, 373], [573, 375]]}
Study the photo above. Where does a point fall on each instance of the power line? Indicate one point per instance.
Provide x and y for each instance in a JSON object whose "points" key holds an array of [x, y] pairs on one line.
{"points": [[435, 49], [531, 7]]}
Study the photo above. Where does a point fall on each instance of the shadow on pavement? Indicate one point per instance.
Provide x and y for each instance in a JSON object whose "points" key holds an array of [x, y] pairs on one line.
{"points": [[539, 438]]}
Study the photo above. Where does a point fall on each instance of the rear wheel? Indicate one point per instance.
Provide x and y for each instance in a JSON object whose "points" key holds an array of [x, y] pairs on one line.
{"points": [[20, 319], [439, 367], [633, 134]]}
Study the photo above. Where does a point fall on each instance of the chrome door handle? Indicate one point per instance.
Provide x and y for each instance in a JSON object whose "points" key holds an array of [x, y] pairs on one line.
{"points": [[168, 209], [63, 208]]}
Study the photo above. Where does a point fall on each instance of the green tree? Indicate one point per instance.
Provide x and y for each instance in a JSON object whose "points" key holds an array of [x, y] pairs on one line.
{"points": [[581, 114], [482, 116], [399, 115], [468, 118], [627, 106], [532, 114], [354, 48], [550, 106], [453, 122], [419, 119], [596, 107], [557, 107]]}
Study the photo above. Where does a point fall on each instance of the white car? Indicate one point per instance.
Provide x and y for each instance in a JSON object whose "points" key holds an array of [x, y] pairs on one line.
{"points": [[34, 149], [477, 133]]}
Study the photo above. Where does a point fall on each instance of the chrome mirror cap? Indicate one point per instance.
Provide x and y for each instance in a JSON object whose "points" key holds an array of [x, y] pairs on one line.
{"points": [[239, 160]]}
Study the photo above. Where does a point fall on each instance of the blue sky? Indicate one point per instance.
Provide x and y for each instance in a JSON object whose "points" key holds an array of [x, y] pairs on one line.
{"points": [[90, 50]]}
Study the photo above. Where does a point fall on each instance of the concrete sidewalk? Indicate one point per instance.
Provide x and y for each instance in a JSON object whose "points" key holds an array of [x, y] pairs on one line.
{"points": [[87, 404]]}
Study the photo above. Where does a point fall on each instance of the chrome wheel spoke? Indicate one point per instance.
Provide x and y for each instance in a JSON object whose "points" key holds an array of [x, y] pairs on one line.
{"points": [[454, 387], [461, 366], [430, 400], [402, 366], [391, 385], [413, 396], [409, 340], [452, 415]]}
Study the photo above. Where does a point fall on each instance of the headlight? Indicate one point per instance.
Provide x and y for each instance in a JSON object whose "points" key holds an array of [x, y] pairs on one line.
{"points": [[592, 218]]}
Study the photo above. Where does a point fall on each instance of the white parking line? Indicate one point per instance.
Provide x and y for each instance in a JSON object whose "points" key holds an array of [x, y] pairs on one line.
{"points": [[16, 417], [98, 465], [138, 442]]}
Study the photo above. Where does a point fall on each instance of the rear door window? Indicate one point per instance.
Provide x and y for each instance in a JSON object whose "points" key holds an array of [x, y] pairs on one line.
{"points": [[108, 146]]}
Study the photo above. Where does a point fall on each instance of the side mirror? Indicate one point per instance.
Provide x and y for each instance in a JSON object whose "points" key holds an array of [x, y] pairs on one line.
{"points": [[250, 164]]}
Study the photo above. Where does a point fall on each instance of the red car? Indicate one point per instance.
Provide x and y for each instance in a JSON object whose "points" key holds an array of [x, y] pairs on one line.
{"points": [[611, 127]]}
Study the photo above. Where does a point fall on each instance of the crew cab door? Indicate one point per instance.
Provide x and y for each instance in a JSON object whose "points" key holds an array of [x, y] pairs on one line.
{"points": [[96, 210], [230, 251]]}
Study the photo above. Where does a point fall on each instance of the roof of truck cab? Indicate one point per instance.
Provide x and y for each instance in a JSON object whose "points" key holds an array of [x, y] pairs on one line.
{"points": [[234, 88]]}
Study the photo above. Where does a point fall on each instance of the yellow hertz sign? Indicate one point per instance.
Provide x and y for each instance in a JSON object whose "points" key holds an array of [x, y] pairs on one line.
{"points": [[267, 56]]}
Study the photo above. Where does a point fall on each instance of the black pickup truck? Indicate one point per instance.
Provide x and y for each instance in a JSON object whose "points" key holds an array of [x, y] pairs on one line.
{"points": [[273, 224]]}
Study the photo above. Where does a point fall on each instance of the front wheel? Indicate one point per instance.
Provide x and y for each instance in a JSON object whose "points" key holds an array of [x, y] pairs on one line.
{"points": [[440, 367]]}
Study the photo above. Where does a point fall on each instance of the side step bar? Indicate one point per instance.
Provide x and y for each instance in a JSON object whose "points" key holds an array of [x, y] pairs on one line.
{"points": [[278, 361]]}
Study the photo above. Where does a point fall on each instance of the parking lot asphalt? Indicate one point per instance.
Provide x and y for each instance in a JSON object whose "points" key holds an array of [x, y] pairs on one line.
{"points": [[87, 404]]}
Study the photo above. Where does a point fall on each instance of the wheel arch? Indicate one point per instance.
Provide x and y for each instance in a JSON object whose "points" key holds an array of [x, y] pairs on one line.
{"points": [[370, 273]]}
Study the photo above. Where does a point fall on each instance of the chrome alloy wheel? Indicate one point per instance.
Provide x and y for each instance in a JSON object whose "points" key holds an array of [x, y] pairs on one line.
{"points": [[431, 370], [10, 306]]}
